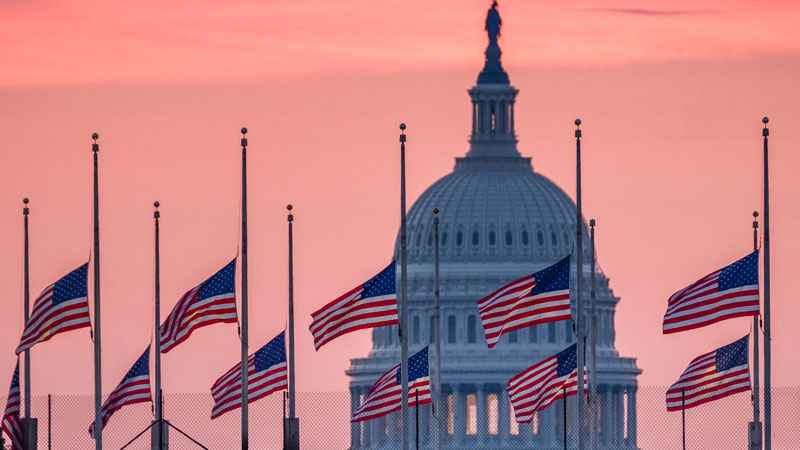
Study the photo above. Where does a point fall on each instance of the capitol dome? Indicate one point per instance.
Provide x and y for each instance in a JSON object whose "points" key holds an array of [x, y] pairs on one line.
{"points": [[499, 219]]}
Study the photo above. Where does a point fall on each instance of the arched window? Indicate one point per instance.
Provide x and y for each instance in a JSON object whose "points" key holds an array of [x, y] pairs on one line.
{"points": [[568, 330], [509, 238], [540, 238], [472, 330], [430, 238], [553, 238], [533, 334], [513, 337], [451, 329], [525, 238], [551, 332], [476, 238], [416, 329], [419, 237], [444, 238], [432, 330], [492, 238], [460, 238]]}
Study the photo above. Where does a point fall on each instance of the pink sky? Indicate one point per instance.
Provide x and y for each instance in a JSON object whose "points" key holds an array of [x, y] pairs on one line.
{"points": [[671, 97]]}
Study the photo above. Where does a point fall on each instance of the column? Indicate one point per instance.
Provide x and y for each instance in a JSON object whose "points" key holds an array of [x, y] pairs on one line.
{"points": [[355, 427], [503, 415], [378, 428], [606, 419], [620, 400], [366, 433], [632, 416], [481, 413], [460, 431]]}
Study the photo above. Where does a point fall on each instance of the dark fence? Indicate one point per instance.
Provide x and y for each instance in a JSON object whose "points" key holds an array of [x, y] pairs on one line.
{"points": [[325, 424]]}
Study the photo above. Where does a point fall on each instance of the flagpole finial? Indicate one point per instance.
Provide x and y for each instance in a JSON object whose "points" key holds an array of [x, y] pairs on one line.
{"points": [[156, 213], [592, 223], [755, 219], [578, 128], [290, 217], [244, 137], [95, 145], [402, 132], [25, 209], [435, 211], [765, 130]]}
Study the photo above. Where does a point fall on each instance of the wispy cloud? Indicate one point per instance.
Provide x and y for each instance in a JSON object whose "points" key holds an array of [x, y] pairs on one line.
{"points": [[658, 12]]}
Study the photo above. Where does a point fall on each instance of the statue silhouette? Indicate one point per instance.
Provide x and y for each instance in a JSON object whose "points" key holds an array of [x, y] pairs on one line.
{"points": [[493, 22]]}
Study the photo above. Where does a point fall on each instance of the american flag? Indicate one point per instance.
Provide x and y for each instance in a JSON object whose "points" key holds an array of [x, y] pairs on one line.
{"points": [[134, 388], [385, 395], [61, 307], [538, 386], [11, 423], [369, 305], [712, 376], [213, 301], [724, 294], [537, 298], [266, 374]]}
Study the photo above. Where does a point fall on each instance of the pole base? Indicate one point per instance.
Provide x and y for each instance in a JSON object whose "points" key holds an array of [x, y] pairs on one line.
{"points": [[30, 433], [155, 443], [291, 433], [754, 436]]}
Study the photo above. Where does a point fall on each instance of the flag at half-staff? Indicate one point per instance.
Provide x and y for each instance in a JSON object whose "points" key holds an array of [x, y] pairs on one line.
{"points": [[213, 301], [712, 376], [266, 374], [538, 386], [536, 298], [724, 294], [384, 396], [368, 305], [61, 307], [134, 388], [11, 423]]}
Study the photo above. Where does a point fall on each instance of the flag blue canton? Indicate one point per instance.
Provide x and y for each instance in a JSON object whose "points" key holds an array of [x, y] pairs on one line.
{"points": [[732, 355], [567, 360], [71, 286], [552, 278], [417, 366], [274, 352], [381, 284], [222, 282], [141, 366], [743, 272]]}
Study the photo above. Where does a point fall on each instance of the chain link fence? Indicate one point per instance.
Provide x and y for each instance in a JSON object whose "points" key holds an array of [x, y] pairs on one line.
{"points": [[325, 424]]}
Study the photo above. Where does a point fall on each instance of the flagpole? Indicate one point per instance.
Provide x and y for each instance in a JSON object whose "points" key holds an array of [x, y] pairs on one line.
{"points": [[27, 306], [564, 401], [767, 327], [157, 327], [416, 421], [578, 282], [403, 293], [593, 346], [755, 425], [29, 424], [437, 326], [292, 427], [97, 332], [244, 330], [683, 416]]}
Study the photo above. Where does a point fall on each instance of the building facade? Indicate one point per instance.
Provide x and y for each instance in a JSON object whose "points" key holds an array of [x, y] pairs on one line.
{"points": [[499, 219]]}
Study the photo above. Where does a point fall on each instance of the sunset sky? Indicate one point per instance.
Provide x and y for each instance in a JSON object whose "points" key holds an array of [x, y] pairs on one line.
{"points": [[671, 94]]}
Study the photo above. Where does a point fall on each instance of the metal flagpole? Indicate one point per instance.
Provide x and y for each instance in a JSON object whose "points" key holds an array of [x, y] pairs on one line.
{"points": [[416, 419], [683, 416], [403, 293], [97, 332], [767, 328], [755, 425], [244, 331], [593, 346], [564, 402], [438, 408], [292, 426], [159, 410], [578, 282], [29, 424]]}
